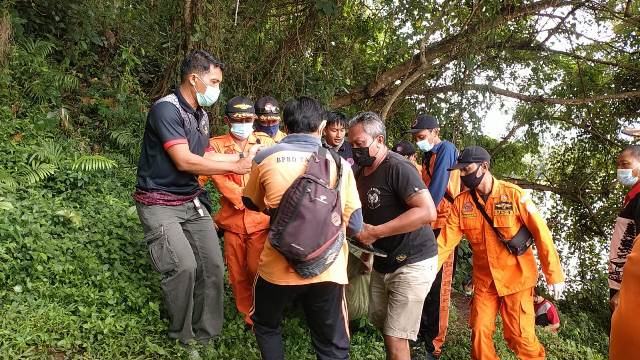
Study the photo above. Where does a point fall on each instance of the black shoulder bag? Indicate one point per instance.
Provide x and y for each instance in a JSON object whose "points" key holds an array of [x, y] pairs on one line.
{"points": [[519, 244]]}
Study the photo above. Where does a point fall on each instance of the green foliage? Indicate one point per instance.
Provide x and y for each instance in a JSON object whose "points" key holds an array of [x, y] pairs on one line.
{"points": [[93, 163], [79, 78]]}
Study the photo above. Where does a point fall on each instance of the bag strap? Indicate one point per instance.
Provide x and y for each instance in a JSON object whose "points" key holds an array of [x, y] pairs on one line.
{"points": [[322, 155], [474, 196], [448, 196]]}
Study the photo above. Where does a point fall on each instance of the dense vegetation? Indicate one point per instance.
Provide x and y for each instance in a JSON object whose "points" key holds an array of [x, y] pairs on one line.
{"points": [[76, 80]]}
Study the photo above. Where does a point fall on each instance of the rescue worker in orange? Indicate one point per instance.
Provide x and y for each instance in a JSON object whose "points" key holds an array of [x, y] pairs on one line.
{"points": [[503, 282], [244, 230], [268, 124], [437, 157]]}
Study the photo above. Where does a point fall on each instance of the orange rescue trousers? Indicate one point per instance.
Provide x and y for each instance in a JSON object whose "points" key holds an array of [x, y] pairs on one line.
{"points": [[518, 318], [242, 253]]}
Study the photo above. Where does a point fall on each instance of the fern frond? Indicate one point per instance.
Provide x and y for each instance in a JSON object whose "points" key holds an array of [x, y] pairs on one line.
{"points": [[36, 172], [93, 163], [5, 205], [50, 151], [123, 137], [7, 181], [38, 48]]}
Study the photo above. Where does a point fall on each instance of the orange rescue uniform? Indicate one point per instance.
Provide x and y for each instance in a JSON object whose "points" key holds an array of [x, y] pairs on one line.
{"points": [[625, 330], [244, 230], [443, 209], [453, 189], [502, 281], [265, 137]]}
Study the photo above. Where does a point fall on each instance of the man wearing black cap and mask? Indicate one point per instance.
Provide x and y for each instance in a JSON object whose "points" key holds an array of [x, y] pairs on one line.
{"points": [[268, 124], [437, 157], [500, 222]]}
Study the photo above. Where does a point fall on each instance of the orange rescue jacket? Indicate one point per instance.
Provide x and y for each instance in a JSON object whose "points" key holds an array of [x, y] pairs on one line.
{"points": [[510, 208], [233, 216]]}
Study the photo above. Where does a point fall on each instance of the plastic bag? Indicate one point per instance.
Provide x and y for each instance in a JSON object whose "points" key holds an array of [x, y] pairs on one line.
{"points": [[358, 288]]}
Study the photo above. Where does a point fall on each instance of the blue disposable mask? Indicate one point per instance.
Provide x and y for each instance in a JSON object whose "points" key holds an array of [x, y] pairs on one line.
{"points": [[242, 130], [210, 96], [626, 178], [424, 145], [270, 130]]}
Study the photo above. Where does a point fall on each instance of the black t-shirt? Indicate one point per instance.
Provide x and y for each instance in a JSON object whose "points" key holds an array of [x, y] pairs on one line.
{"points": [[165, 127], [383, 194]]}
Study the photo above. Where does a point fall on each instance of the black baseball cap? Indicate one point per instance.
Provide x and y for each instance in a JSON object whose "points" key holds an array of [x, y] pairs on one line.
{"points": [[470, 155], [240, 104], [422, 122], [404, 148], [267, 105]]}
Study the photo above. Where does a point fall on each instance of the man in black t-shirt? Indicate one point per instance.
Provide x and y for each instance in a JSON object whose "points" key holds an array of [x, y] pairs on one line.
{"points": [[397, 209], [178, 229]]}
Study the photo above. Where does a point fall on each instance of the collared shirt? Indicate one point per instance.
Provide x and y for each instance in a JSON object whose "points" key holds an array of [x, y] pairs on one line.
{"points": [[510, 208], [233, 216], [166, 127], [273, 171]]}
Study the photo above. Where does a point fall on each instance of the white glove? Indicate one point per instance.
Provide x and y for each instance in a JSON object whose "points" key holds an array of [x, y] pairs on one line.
{"points": [[557, 290]]}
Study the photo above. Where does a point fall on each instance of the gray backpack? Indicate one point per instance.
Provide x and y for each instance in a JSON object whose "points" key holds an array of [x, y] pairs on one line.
{"points": [[306, 228]]}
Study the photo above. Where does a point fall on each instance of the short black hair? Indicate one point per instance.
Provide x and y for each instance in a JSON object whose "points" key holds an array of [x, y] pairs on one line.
{"points": [[198, 62], [335, 117], [634, 150], [303, 115]]}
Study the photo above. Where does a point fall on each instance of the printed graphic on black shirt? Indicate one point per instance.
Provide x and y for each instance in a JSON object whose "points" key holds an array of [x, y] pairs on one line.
{"points": [[373, 198]]}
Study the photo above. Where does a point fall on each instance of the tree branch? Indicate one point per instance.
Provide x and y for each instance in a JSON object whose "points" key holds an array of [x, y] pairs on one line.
{"points": [[545, 49], [526, 184], [533, 98], [447, 45], [507, 138]]}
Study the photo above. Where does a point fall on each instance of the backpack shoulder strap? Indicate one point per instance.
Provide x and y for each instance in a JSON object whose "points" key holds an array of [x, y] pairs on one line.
{"points": [[474, 196]]}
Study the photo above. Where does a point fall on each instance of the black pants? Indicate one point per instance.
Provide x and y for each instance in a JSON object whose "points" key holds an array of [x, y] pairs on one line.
{"points": [[430, 320], [324, 309]]}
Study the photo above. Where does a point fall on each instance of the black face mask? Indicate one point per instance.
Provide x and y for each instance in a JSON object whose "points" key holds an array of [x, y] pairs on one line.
{"points": [[361, 156], [472, 180]]}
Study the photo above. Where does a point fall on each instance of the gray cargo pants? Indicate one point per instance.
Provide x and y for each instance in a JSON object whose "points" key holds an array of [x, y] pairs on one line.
{"points": [[184, 248]]}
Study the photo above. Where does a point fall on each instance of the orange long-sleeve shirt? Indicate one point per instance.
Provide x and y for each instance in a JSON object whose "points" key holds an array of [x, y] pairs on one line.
{"points": [[510, 208], [233, 216]]}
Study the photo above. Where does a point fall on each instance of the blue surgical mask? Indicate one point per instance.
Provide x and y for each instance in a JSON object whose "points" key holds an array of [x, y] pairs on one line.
{"points": [[424, 145], [210, 95], [242, 130], [270, 130], [626, 178]]}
